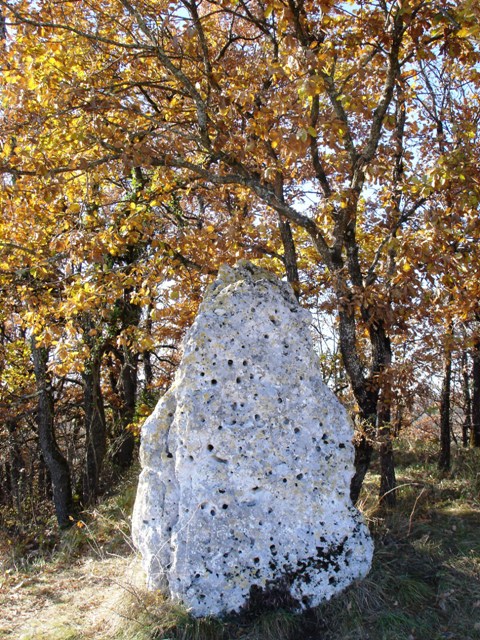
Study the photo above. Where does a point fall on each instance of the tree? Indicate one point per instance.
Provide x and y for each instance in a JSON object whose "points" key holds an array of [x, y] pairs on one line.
{"points": [[304, 112]]}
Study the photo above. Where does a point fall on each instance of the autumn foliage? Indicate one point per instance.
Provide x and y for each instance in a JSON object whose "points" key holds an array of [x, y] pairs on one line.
{"points": [[145, 142]]}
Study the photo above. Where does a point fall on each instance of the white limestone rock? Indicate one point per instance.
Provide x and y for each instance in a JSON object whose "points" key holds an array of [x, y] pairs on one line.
{"points": [[243, 500]]}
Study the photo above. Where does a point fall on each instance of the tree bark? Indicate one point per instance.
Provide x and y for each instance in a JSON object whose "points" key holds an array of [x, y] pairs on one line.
{"points": [[366, 394], [129, 315], [128, 383], [445, 417], [475, 433], [289, 255], [16, 469], [55, 461], [467, 400], [147, 355], [95, 430], [388, 494]]}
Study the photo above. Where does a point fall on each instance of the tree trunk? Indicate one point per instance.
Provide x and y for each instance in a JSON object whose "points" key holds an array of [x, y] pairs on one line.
{"points": [[475, 433], [288, 242], [445, 419], [95, 430], [382, 354], [365, 394], [16, 469], [127, 383], [467, 401], [289, 255], [55, 461], [147, 355], [124, 447]]}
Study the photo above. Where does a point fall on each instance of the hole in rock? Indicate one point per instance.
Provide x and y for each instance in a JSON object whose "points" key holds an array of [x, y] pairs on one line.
{"points": [[254, 488], [284, 480], [256, 416], [341, 445], [190, 457], [234, 406], [296, 430], [221, 491], [238, 380], [210, 447], [169, 455], [219, 427], [213, 381], [280, 400], [212, 512], [244, 363], [224, 506], [256, 560], [266, 336], [299, 476], [230, 362]]}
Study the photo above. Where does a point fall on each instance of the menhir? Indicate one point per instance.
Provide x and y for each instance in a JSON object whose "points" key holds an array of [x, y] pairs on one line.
{"points": [[243, 500]]}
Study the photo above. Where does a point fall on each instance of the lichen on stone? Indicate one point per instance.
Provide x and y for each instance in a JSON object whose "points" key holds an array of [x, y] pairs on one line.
{"points": [[247, 461]]}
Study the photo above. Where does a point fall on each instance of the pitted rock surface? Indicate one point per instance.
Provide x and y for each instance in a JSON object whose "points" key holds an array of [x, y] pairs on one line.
{"points": [[243, 500]]}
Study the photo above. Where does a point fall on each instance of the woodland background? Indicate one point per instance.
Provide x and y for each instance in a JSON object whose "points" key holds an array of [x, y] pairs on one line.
{"points": [[146, 142]]}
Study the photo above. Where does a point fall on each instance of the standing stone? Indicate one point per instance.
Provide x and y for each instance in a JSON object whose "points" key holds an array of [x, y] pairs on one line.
{"points": [[243, 500]]}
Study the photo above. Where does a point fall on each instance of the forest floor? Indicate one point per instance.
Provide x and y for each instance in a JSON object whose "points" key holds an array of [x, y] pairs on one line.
{"points": [[424, 583]]}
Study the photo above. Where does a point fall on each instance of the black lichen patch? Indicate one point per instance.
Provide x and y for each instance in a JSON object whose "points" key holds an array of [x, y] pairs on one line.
{"points": [[277, 592], [275, 595]]}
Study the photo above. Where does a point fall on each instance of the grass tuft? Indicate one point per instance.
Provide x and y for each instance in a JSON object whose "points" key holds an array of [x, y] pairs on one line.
{"points": [[424, 583]]}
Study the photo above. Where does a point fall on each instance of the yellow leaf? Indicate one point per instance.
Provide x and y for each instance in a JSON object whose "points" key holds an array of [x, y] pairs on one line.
{"points": [[464, 33]]}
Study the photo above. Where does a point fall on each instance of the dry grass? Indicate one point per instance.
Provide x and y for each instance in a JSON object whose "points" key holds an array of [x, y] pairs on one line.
{"points": [[424, 583]]}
